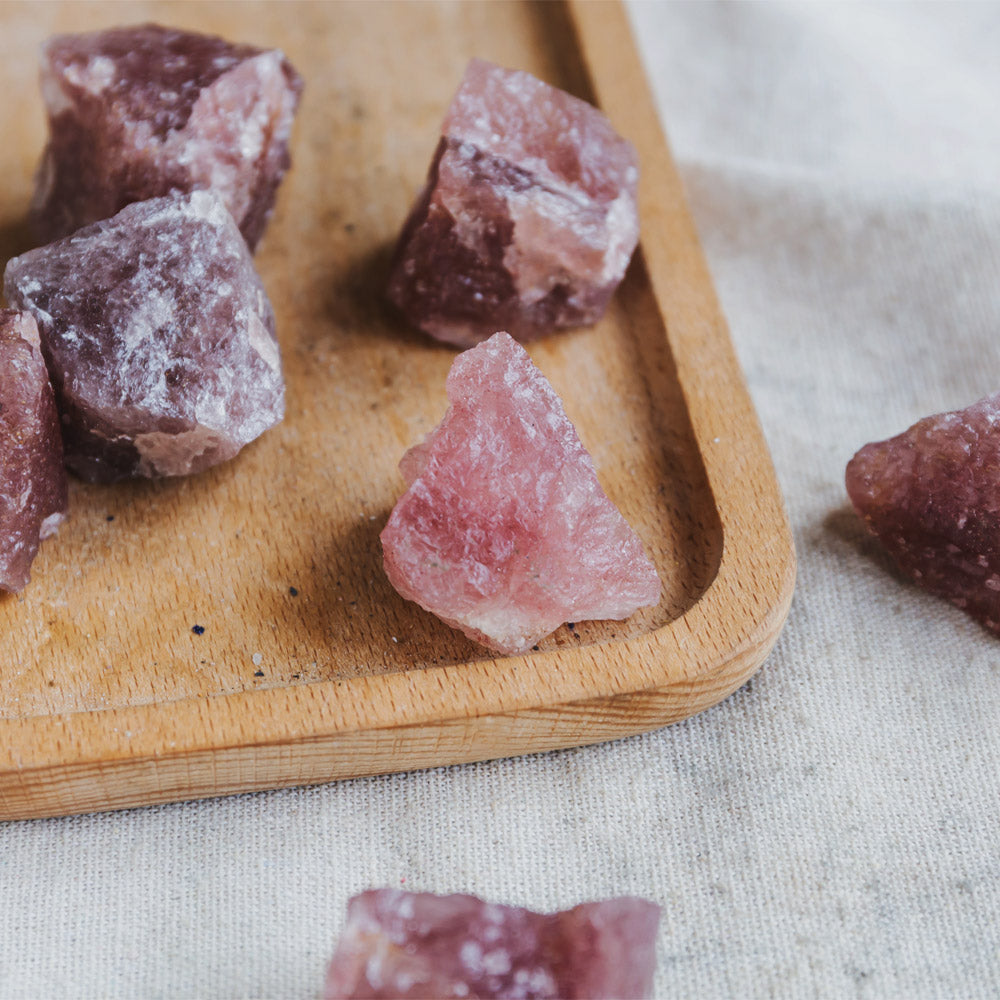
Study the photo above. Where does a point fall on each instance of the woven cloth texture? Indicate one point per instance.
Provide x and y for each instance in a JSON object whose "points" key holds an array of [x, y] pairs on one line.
{"points": [[831, 829]]}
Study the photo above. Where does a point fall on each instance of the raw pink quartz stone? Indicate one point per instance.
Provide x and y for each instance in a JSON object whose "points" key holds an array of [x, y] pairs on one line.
{"points": [[505, 532], [140, 112], [33, 497], [528, 218], [932, 497], [417, 945], [159, 338]]}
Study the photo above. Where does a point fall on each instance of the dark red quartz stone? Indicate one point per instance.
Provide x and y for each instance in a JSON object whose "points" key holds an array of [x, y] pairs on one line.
{"points": [[140, 112], [417, 945], [528, 218], [505, 531], [159, 338], [932, 497], [33, 496]]}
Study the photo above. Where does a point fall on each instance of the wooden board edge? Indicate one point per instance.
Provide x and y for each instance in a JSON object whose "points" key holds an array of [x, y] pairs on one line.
{"points": [[696, 647], [100, 786], [758, 548]]}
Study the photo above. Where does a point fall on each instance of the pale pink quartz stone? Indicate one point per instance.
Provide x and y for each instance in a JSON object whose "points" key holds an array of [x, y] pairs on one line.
{"points": [[505, 532]]}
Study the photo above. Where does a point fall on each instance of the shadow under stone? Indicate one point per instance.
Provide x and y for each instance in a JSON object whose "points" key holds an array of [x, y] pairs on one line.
{"points": [[15, 239], [845, 526]]}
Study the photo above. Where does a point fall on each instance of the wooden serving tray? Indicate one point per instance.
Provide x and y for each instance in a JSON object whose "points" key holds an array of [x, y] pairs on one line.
{"points": [[310, 666]]}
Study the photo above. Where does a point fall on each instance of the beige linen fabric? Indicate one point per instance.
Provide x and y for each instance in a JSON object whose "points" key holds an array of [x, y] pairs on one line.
{"points": [[829, 831]]}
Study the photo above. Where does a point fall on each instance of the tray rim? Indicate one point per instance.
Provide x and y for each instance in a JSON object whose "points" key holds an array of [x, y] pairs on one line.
{"points": [[164, 751]]}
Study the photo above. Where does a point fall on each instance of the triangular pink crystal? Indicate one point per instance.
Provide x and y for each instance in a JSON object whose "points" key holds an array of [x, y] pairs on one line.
{"points": [[505, 532]]}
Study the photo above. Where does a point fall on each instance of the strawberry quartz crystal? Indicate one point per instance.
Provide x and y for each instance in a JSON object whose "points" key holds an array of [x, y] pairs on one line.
{"points": [[417, 945], [932, 496], [505, 532], [32, 480], [528, 217], [140, 112], [159, 338]]}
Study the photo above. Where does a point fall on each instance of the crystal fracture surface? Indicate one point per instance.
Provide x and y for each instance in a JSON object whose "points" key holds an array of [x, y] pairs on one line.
{"points": [[159, 339], [932, 496], [32, 480], [528, 218], [417, 945], [505, 532], [140, 112]]}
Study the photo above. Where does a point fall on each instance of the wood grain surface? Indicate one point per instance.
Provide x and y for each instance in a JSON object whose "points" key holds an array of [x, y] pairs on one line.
{"points": [[310, 667]]}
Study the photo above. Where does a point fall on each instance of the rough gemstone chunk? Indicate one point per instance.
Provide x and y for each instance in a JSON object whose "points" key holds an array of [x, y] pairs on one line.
{"points": [[417, 945], [528, 218], [505, 532], [140, 112], [159, 339], [33, 497], [932, 496]]}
